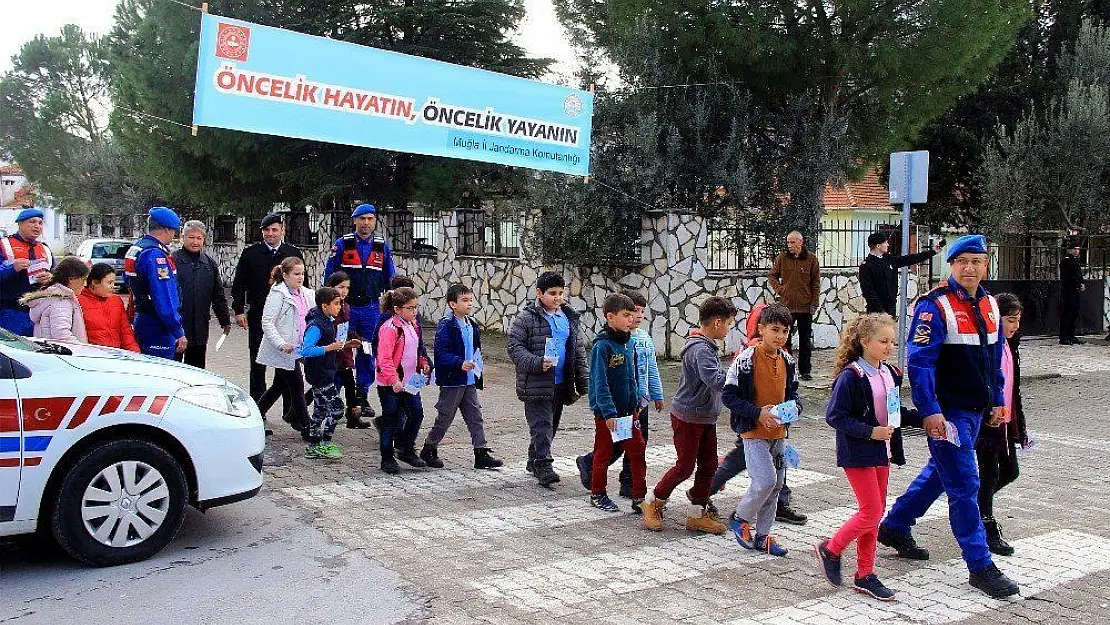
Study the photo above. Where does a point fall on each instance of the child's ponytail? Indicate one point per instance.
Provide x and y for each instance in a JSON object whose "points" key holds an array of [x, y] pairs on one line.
{"points": [[283, 268], [851, 340]]}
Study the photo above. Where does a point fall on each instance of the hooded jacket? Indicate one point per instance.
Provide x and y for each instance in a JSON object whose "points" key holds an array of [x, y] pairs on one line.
{"points": [[698, 398], [56, 314], [106, 321], [614, 389]]}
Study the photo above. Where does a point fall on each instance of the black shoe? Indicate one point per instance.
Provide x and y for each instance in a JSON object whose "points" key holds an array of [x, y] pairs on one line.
{"points": [[904, 544], [430, 455], [585, 470], [806, 377], [483, 459], [995, 543], [603, 502], [992, 582], [786, 514], [355, 420], [390, 466], [545, 474], [377, 421], [409, 457], [828, 564], [531, 466], [269, 432], [637, 506], [871, 586], [626, 490]]}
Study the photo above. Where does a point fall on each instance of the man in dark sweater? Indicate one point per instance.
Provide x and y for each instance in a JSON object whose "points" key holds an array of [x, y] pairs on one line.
{"points": [[878, 275], [1071, 285], [202, 293], [252, 284]]}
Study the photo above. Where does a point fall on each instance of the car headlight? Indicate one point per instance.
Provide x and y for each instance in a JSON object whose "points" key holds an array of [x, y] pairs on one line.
{"points": [[224, 398]]}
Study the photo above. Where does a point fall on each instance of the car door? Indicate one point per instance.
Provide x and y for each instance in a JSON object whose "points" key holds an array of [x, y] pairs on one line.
{"points": [[11, 455]]}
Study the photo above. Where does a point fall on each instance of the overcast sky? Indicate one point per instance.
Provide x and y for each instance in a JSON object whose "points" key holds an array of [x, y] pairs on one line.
{"points": [[21, 20]]}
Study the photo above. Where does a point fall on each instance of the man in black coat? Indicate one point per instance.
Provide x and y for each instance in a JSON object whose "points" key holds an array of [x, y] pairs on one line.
{"points": [[202, 293], [252, 284], [878, 275], [1071, 285]]}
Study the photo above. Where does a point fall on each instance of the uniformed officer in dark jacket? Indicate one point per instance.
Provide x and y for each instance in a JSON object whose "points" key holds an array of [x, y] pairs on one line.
{"points": [[151, 277], [202, 293], [1071, 285], [251, 285], [878, 275]]}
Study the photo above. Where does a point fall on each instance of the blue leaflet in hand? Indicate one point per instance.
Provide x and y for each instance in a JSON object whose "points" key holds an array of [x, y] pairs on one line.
{"points": [[551, 350], [624, 429], [416, 382], [951, 434], [791, 456], [894, 407], [342, 331], [786, 412], [478, 363]]}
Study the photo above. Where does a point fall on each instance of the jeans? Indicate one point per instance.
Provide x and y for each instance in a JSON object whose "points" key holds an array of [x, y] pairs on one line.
{"points": [[402, 415]]}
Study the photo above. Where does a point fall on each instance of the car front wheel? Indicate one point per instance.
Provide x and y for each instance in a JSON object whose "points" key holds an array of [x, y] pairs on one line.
{"points": [[121, 502]]}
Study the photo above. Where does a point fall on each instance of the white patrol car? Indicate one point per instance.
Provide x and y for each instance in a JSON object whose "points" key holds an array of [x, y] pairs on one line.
{"points": [[103, 448]]}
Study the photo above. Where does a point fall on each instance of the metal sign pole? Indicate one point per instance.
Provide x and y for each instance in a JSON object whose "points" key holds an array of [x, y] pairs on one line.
{"points": [[905, 271]]}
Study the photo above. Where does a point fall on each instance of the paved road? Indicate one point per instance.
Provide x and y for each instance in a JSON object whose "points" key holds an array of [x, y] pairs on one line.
{"points": [[476, 547]]}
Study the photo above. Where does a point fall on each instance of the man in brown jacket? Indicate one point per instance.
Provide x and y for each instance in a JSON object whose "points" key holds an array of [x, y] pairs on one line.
{"points": [[796, 279]]}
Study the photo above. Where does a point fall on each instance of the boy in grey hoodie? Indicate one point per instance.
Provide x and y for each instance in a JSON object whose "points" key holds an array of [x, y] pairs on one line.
{"points": [[694, 418]]}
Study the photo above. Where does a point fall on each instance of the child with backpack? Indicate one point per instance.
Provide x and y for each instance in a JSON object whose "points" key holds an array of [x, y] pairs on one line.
{"points": [[400, 356]]}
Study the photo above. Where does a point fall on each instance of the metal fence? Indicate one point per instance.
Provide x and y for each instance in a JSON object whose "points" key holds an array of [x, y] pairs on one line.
{"points": [[1037, 257], [483, 235], [408, 233], [840, 245]]}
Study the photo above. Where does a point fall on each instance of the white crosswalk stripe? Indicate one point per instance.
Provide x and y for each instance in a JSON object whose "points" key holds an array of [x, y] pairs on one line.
{"points": [[423, 482], [556, 587], [940, 594]]}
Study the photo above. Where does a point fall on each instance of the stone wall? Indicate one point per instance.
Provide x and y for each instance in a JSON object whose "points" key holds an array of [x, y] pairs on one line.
{"points": [[672, 273]]}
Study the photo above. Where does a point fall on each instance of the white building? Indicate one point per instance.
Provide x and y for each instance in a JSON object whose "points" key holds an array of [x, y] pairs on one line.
{"points": [[15, 191]]}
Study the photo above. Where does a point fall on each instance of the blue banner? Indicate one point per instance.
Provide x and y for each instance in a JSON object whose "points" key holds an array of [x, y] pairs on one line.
{"points": [[272, 81]]}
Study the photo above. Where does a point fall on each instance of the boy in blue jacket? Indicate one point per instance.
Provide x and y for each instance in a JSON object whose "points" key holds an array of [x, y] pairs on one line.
{"points": [[457, 341], [614, 392]]}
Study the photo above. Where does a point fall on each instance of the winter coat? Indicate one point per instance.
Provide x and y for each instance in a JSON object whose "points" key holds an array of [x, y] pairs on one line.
{"points": [[56, 314], [391, 349], [527, 342], [878, 279], [739, 393], [279, 327], [851, 412], [1001, 439], [106, 321], [449, 352], [698, 398], [202, 292], [797, 281], [614, 389]]}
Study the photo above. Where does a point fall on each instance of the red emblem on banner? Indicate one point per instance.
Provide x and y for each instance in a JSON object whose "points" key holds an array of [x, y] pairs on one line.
{"points": [[233, 42]]}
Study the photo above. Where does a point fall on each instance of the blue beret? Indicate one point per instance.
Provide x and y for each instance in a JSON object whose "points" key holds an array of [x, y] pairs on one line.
{"points": [[28, 213], [364, 209], [165, 217], [968, 244]]}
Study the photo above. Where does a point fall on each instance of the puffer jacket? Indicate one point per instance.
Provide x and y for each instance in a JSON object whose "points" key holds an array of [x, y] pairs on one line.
{"points": [[106, 321], [56, 314], [527, 340]]}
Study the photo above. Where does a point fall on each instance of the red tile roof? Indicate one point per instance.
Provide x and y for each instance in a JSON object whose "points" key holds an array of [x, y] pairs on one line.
{"points": [[867, 193], [11, 170], [25, 195]]}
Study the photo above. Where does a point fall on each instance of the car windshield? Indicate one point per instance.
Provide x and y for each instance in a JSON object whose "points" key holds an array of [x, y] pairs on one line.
{"points": [[112, 249], [7, 339]]}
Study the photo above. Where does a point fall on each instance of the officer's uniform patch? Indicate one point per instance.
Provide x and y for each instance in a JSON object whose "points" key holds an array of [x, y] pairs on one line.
{"points": [[163, 272], [923, 334]]}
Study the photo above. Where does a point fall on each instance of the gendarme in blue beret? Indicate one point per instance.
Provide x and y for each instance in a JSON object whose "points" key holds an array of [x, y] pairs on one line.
{"points": [[28, 213], [968, 244], [364, 209], [165, 217]]}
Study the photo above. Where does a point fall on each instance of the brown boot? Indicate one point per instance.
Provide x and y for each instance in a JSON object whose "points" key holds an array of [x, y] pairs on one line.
{"points": [[653, 514], [705, 523]]}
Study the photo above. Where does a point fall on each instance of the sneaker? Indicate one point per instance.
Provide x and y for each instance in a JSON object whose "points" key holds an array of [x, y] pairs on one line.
{"points": [[585, 470], [315, 451], [626, 490], [995, 542], [705, 523], [904, 544], [768, 544], [742, 530], [786, 514], [829, 564], [333, 451], [992, 582], [603, 502], [430, 455], [637, 506], [483, 459], [409, 457], [807, 377], [871, 586], [653, 514], [390, 466]]}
